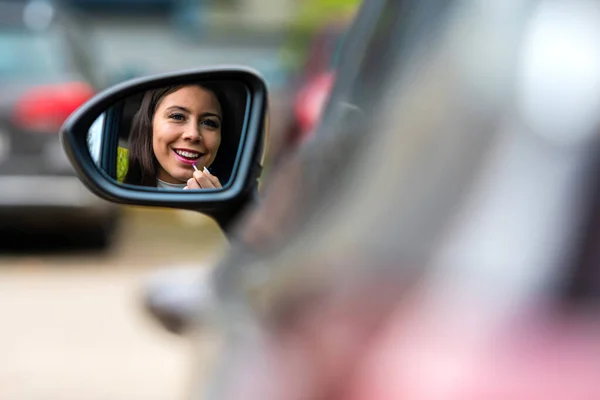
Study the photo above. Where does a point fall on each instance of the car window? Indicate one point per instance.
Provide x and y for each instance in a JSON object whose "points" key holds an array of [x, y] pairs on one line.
{"points": [[370, 57], [27, 55], [95, 138], [364, 59], [380, 57]]}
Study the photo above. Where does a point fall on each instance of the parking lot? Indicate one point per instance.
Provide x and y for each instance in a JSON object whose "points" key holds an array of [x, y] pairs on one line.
{"points": [[72, 322]]}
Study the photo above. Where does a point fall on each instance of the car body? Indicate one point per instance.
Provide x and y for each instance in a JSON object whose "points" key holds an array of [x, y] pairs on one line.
{"points": [[442, 245], [44, 77], [438, 238]]}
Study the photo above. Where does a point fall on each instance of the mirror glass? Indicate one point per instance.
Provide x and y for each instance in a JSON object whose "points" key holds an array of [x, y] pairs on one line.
{"points": [[179, 137]]}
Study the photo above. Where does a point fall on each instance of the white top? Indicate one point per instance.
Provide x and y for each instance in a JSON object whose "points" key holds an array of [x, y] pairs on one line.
{"points": [[166, 185]]}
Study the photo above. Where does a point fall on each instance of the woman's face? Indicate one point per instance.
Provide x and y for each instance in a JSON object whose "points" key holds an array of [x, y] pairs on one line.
{"points": [[186, 130]]}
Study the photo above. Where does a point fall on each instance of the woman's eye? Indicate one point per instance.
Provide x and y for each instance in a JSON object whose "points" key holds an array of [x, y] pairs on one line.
{"points": [[211, 123], [177, 117]]}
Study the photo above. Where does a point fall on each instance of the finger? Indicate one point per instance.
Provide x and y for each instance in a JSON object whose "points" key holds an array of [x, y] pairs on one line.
{"points": [[203, 180], [193, 184], [215, 181]]}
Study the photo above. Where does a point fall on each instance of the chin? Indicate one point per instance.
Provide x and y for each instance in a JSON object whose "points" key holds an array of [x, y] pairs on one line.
{"points": [[181, 176]]}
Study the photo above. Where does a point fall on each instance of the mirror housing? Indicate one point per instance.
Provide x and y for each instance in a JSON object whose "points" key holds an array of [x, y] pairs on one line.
{"points": [[220, 204]]}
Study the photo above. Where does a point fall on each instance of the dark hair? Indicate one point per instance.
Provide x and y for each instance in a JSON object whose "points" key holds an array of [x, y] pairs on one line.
{"points": [[143, 165]]}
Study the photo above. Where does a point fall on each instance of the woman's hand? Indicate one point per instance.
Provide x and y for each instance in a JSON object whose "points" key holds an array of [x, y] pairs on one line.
{"points": [[203, 180]]}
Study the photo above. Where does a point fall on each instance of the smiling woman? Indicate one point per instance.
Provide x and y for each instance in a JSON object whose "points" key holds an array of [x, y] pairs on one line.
{"points": [[176, 135], [180, 134], [148, 139]]}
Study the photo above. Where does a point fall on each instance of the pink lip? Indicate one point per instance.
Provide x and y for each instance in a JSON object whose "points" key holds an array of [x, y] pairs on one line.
{"points": [[185, 160]]}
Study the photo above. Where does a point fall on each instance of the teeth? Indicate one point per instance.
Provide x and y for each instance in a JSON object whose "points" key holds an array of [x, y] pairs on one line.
{"points": [[187, 154]]}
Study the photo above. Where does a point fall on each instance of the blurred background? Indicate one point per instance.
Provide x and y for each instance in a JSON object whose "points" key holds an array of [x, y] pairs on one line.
{"points": [[72, 266]]}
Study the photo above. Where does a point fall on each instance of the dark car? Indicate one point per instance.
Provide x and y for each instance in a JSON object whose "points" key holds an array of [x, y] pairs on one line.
{"points": [[45, 74], [122, 6]]}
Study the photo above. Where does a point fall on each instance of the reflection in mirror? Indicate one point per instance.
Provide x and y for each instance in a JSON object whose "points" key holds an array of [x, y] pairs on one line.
{"points": [[94, 139], [180, 137]]}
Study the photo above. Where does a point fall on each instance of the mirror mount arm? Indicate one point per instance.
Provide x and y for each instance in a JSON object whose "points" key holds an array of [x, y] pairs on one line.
{"points": [[228, 217]]}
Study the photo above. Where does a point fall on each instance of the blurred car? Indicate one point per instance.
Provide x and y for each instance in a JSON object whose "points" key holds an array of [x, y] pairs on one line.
{"points": [[122, 6], [45, 75], [313, 84]]}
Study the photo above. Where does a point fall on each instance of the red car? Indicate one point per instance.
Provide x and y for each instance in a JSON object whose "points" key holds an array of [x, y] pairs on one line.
{"points": [[313, 86]]}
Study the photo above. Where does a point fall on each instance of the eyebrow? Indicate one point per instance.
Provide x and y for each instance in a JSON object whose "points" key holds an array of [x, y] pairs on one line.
{"points": [[187, 110]]}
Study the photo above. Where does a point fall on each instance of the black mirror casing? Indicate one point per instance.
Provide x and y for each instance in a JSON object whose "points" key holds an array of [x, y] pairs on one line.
{"points": [[223, 205]]}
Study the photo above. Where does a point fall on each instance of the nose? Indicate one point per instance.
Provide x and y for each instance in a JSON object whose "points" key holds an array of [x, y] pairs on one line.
{"points": [[192, 133]]}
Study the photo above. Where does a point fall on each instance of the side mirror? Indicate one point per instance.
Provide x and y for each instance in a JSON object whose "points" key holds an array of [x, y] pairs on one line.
{"points": [[190, 140]]}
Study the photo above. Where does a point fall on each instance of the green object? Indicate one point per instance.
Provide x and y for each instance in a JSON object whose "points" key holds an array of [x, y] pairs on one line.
{"points": [[312, 16], [122, 163]]}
